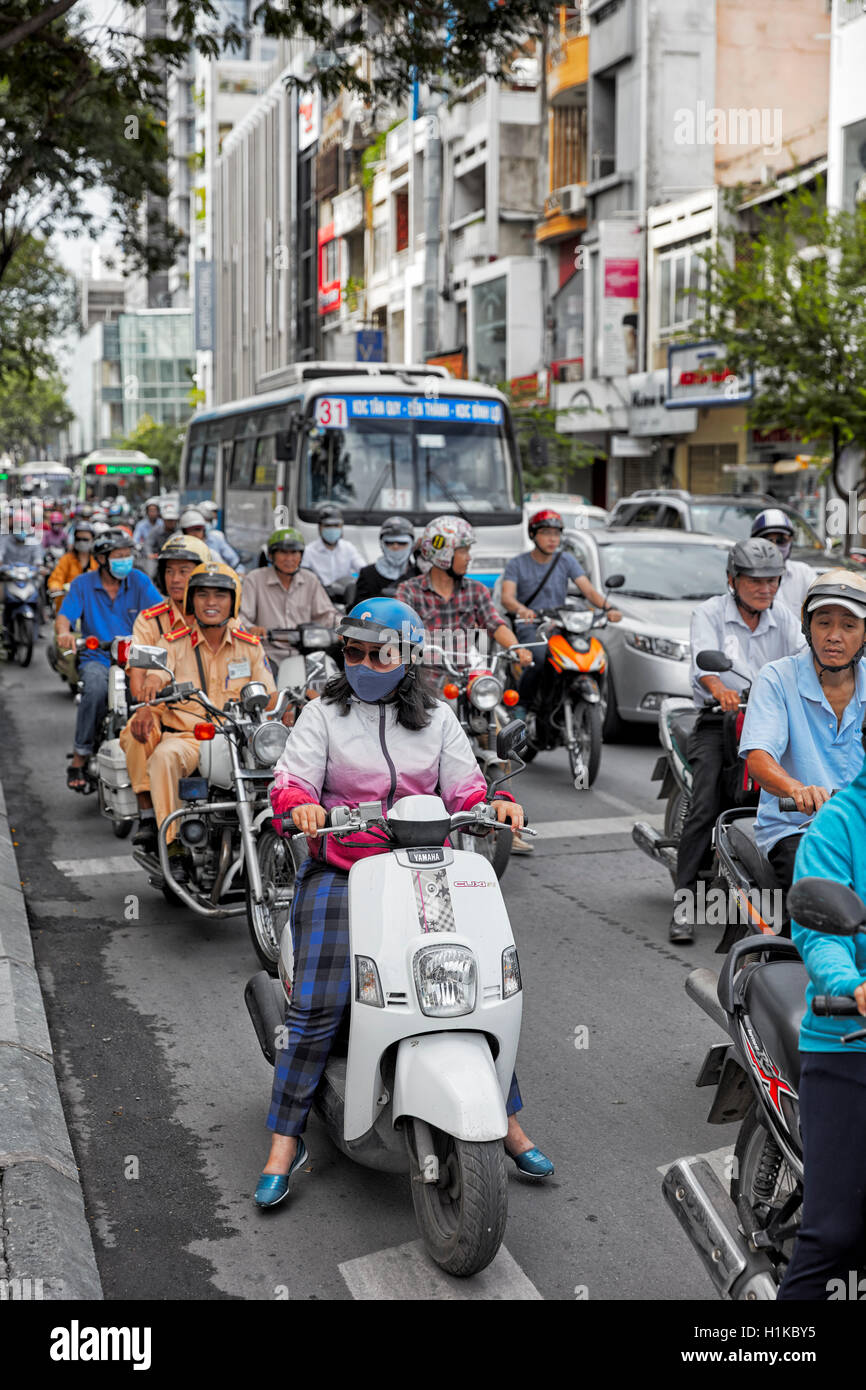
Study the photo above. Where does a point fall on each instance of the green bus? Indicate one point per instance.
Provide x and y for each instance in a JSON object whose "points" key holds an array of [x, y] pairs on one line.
{"points": [[128, 474]]}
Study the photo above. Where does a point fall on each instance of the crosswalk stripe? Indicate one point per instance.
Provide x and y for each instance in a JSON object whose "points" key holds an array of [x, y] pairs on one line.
{"points": [[604, 825], [407, 1272], [87, 868]]}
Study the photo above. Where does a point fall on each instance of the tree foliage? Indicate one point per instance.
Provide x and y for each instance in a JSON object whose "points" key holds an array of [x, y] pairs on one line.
{"points": [[161, 442], [552, 461], [37, 303], [33, 410], [788, 299]]}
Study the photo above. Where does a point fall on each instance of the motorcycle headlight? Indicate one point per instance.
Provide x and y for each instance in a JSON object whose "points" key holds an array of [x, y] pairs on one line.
{"points": [[511, 982], [577, 622], [445, 980], [659, 646], [315, 639], [268, 742], [485, 692]]}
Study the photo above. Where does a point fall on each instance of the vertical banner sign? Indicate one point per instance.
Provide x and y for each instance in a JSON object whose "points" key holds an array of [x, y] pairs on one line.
{"points": [[621, 252], [204, 306], [309, 118]]}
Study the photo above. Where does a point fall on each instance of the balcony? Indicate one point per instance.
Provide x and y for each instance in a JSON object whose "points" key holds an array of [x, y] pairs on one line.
{"points": [[471, 242], [568, 60]]}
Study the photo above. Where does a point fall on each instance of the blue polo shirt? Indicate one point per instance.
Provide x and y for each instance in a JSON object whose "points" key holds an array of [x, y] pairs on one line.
{"points": [[100, 617], [833, 847], [790, 717]]}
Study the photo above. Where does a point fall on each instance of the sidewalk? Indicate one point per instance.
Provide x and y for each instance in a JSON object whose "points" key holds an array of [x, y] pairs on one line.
{"points": [[46, 1249]]}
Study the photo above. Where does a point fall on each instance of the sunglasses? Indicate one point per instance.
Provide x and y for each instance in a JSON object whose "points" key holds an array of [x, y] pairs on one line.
{"points": [[354, 655], [778, 538]]}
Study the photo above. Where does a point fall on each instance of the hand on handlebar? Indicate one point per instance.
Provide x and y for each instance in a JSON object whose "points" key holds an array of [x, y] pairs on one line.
{"points": [[522, 655], [728, 699], [257, 631], [613, 615], [860, 996], [66, 641], [509, 812], [809, 799], [309, 818]]}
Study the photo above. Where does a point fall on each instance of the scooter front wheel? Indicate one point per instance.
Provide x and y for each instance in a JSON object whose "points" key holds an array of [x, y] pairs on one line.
{"points": [[462, 1213], [23, 640]]}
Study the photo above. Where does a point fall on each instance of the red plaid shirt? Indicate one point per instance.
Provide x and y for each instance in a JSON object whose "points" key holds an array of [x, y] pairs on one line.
{"points": [[469, 609]]}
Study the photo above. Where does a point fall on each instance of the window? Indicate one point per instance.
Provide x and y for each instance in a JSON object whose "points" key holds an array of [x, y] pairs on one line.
{"points": [[681, 275], [489, 305], [242, 462], [193, 465], [265, 472], [208, 468], [401, 221]]}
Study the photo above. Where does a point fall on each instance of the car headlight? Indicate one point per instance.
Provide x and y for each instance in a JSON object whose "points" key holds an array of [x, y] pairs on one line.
{"points": [[485, 692], [268, 742], [578, 622], [445, 980], [511, 982], [659, 646]]}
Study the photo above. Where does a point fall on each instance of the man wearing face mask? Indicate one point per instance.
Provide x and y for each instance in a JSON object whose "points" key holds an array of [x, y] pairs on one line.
{"points": [[75, 562], [107, 602], [330, 557], [395, 564]]}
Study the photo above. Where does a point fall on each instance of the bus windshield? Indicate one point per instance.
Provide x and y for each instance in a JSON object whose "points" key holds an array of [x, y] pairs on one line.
{"points": [[380, 455], [112, 476]]}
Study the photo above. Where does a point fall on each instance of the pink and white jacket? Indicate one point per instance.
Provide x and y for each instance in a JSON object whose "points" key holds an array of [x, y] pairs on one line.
{"points": [[341, 760]]}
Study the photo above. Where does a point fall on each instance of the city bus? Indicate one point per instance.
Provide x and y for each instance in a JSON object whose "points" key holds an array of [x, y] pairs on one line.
{"points": [[126, 473], [376, 441], [40, 478]]}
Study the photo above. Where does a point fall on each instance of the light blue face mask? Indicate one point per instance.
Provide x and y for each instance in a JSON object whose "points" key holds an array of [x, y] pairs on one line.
{"points": [[331, 534], [121, 567]]}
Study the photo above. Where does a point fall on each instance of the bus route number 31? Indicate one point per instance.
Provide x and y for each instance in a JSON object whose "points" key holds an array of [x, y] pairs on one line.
{"points": [[331, 412]]}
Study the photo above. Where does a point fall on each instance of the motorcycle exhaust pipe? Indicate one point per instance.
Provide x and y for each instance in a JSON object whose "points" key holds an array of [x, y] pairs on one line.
{"points": [[702, 986], [653, 843], [709, 1219], [266, 1005]]}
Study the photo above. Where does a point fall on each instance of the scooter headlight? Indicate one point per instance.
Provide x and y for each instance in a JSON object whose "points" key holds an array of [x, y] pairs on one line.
{"points": [[445, 980], [511, 982], [485, 692], [268, 743]]}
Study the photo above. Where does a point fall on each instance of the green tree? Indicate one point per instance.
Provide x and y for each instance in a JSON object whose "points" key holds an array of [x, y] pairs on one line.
{"points": [[161, 442], [37, 304], [552, 461], [788, 300], [33, 410]]}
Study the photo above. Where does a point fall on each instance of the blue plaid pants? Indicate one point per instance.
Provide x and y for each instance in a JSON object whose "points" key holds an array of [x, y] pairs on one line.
{"points": [[320, 995]]}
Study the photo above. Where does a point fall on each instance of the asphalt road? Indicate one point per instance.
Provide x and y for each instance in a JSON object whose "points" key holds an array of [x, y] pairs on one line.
{"points": [[166, 1091]]}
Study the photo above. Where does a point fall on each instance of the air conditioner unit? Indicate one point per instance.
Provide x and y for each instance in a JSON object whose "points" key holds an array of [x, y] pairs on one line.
{"points": [[572, 199]]}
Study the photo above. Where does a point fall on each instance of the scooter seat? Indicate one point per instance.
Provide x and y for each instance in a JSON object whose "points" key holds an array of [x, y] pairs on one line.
{"points": [[741, 835], [681, 726], [775, 999]]}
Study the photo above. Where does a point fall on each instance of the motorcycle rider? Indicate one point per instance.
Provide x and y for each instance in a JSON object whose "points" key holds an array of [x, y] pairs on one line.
{"points": [[107, 601], [330, 557], [539, 577], [776, 526], [801, 733], [743, 624], [283, 594], [832, 1086], [375, 734], [145, 525], [76, 561], [178, 558], [160, 532], [396, 537], [192, 523], [54, 534], [220, 658]]}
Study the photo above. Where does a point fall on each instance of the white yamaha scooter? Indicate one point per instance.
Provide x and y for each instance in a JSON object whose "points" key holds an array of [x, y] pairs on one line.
{"points": [[434, 1021]]}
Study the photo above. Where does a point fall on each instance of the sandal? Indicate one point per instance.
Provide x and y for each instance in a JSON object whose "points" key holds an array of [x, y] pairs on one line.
{"points": [[76, 779]]}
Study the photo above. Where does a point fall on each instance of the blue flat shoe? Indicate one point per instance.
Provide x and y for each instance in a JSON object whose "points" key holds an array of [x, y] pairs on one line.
{"points": [[273, 1187], [533, 1163]]}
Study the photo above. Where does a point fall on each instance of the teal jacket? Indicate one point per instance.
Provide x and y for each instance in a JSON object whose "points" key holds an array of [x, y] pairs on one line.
{"points": [[834, 846]]}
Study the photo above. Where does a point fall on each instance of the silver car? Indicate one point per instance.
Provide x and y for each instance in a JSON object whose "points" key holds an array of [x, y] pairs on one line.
{"points": [[666, 576]]}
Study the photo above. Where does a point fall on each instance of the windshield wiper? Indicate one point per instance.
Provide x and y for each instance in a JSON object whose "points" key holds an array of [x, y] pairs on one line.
{"points": [[431, 473], [381, 478], [698, 596], [638, 593]]}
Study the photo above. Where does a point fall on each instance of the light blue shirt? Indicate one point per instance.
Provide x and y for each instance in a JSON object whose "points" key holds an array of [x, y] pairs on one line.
{"points": [[718, 625], [790, 717], [833, 848]]}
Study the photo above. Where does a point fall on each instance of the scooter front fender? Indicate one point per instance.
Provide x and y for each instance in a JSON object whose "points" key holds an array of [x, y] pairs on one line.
{"points": [[449, 1080]]}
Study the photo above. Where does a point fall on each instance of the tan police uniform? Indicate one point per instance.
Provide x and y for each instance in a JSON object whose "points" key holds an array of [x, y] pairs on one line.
{"points": [[172, 750], [152, 624]]}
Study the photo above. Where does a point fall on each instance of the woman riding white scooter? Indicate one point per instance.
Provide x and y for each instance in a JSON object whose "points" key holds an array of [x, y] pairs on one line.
{"points": [[375, 735]]}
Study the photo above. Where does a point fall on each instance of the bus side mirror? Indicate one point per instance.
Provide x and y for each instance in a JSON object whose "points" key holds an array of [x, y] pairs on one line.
{"points": [[285, 444]]}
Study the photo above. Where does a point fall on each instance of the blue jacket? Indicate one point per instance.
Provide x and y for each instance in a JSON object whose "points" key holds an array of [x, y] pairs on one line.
{"points": [[834, 846]]}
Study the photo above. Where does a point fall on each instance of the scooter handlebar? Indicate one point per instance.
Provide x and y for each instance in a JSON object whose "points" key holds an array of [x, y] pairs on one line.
{"points": [[834, 1005]]}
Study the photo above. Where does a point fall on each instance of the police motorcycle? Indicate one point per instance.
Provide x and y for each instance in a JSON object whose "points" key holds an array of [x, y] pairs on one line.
{"points": [[481, 703], [105, 771], [567, 709], [434, 1021], [745, 1237], [239, 865], [677, 719]]}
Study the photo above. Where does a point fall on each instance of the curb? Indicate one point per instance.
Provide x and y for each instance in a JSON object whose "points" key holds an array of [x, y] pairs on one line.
{"points": [[46, 1250]]}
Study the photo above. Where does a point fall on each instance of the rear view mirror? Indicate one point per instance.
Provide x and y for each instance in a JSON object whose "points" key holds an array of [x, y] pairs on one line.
{"points": [[616, 581], [147, 658], [827, 906], [713, 661], [511, 740]]}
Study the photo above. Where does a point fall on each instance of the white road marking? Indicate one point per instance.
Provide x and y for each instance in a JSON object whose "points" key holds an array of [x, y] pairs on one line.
{"points": [[87, 868], [407, 1272], [720, 1160], [604, 825]]}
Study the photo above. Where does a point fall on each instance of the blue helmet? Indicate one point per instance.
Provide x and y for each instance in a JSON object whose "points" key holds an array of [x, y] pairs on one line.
{"points": [[384, 620]]}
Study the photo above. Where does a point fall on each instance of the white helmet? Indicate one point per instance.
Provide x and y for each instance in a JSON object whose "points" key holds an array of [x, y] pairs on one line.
{"points": [[192, 517], [170, 511]]}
